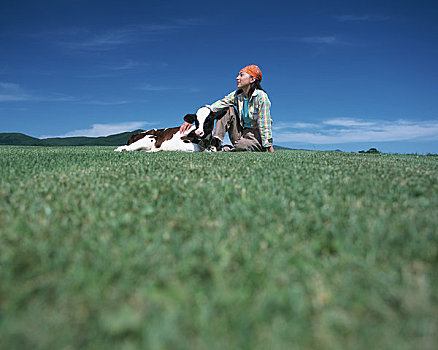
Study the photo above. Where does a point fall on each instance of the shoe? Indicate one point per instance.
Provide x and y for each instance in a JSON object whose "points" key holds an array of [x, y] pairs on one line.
{"points": [[228, 148], [216, 143]]}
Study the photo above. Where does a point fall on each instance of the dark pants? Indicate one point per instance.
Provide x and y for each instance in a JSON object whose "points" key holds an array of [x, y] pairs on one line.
{"points": [[243, 139]]}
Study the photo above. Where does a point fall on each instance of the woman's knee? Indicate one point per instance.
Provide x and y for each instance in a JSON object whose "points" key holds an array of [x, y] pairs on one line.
{"points": [[245, 145]]}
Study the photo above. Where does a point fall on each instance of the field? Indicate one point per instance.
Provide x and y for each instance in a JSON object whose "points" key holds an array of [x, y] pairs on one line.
{"points": [[291, 250]]}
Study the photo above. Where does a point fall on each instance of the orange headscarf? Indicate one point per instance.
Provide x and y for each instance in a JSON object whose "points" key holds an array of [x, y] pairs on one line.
{"points": [[254, 71]]}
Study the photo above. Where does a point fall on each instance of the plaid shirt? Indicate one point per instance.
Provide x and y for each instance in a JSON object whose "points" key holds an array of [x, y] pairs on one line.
{"points": [[259, 112]]}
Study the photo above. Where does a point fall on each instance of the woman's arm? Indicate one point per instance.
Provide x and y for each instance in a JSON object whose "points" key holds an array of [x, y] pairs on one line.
{"points": [[227, 101], [265, 121]]}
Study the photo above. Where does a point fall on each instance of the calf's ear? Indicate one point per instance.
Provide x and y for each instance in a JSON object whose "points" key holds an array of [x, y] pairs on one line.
{"points": [[190, 118]]}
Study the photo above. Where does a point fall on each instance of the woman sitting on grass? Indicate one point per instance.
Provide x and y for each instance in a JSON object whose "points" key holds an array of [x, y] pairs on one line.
{"points": [[249, 129]]}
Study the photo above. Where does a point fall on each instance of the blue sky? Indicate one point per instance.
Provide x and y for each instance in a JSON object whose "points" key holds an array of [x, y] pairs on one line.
{"points": [[346, 75]]}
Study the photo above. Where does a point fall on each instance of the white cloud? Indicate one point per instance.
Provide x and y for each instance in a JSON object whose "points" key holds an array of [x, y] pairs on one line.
{"points": [[21, 97], [11, 92], [299, 125], [336, 131], [106, 103], [128, 64], [347, 122], [325, 40], [111, 39], [363, 18], [9, 86], [150, 87], [316, 41], [97, 130], [104, 41], [13, 98]]}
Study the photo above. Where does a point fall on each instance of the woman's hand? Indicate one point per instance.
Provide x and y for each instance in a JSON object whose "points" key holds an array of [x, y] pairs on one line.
{"points": [[184, 128]]}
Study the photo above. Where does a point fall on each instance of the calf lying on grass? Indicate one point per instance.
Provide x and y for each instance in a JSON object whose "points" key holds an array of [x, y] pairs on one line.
{"points": [[197, 139]]}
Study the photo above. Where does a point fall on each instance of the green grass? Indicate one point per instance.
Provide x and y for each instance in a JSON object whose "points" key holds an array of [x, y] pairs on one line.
{"points": [[291, 250]]}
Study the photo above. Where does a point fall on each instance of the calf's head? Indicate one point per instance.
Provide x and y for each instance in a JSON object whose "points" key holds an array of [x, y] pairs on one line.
{"points": [[204, 120]]}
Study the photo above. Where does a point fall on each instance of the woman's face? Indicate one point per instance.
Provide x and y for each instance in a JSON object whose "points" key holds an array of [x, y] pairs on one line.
{"points": [[244, 80]]}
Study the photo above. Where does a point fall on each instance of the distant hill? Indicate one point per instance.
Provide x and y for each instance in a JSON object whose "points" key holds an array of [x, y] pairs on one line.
{"points": [[17, 139], [279, 148]]}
